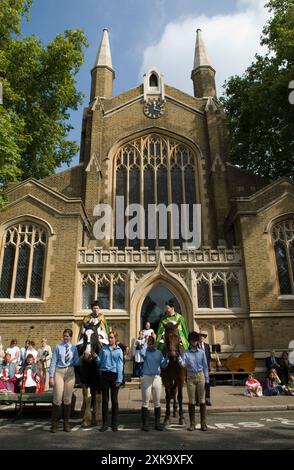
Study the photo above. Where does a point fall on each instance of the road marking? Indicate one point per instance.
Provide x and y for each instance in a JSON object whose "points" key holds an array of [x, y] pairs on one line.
{"points": [[45, 425], [250, 424], [36, 426], [226, 425], [75, 428]]}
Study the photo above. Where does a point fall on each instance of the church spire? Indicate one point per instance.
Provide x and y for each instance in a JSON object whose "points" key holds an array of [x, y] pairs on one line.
{"points": [[104, 55], [103, 73], [203, 74]]}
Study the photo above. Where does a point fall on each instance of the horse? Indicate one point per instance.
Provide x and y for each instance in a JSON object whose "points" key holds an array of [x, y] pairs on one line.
{"points": [[89, 375], [173, 376]]}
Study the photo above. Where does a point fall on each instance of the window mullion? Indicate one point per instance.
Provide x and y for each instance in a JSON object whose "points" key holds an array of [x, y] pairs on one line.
{"points": [[155, 201], [142, 216], [290, 270], [96, 287], [169, 197], [210, 292], [30, 265], [127, 197], [111, 292], [17, 248], [114, 189], [226, 291]]}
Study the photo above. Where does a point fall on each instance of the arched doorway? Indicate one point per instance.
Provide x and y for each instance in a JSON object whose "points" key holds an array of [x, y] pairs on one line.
{"points": [[154, 304]]}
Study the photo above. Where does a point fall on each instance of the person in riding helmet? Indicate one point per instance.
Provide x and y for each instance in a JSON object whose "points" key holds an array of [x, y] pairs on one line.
{"points": [[96, 318]]}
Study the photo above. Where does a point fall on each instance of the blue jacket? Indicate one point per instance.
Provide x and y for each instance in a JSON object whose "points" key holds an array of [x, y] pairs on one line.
{"points": [[58, 358], [153, 361], [111, 360], [195, 361]]}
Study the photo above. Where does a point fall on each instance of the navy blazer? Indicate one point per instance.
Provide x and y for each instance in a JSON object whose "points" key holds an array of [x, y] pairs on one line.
{"points": [[207, 353], [270, 365]]}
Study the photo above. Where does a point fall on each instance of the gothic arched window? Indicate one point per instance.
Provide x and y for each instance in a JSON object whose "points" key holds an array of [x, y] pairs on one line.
{"points": [[153, 80], [283, 237], [159, 171], [23, 259]]}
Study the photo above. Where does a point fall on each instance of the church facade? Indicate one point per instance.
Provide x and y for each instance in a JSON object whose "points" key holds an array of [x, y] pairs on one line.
{"points": [[152, 144]]}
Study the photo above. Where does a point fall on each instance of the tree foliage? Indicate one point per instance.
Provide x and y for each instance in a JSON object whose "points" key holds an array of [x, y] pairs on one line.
{"points": [[39, 90], [260, 117]]}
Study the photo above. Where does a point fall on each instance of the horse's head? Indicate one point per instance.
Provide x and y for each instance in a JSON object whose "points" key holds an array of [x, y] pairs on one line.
{"points": [[172, 340], [91, 344]]}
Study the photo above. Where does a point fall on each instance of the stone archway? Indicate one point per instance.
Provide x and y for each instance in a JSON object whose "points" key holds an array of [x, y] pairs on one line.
{"points": [[165, 278], [154, 305]]}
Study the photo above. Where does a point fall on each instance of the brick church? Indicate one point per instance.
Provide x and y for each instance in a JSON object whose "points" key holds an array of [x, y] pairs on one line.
{"points": [[151, 144]]}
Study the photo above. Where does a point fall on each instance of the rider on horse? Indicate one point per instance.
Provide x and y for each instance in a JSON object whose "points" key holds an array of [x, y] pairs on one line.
{"points": [[97, 319], [172, 317]]}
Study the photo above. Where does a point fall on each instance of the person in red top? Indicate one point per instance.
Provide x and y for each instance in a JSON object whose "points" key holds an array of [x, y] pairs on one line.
{"points": [[30, 381], [252, 387]]}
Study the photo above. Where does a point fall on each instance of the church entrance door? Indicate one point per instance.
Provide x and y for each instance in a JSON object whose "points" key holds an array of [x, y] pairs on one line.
{"points": [[154, 305]]}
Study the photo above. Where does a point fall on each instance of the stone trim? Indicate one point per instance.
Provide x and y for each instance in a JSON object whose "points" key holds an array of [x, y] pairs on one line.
{"points": [[129, 256]]}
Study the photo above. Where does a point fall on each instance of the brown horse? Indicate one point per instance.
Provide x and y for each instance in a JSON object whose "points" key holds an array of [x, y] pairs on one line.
{"points": [[173, 376]]}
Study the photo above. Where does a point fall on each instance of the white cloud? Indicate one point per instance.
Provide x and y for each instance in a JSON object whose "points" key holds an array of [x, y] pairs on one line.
{"points": [[232, 40]]}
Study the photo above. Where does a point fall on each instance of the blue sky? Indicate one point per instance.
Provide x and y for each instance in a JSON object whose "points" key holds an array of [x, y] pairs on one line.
{"points": [[154, 32]]}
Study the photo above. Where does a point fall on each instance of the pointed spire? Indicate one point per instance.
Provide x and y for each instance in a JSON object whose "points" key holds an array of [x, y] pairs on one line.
{"points": [[104, 55], [201, 58], [102, 72], [203, 74]]}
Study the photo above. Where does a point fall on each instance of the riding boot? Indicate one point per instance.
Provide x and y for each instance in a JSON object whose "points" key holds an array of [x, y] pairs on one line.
{"points": [[157, 412], [66, 416], [192, 417], [54, 417], [145, 418], [203, 417], [196, 397], [207, 394]]}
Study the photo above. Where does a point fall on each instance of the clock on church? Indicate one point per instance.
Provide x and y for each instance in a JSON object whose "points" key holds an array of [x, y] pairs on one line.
{"points": [[154, 108]]}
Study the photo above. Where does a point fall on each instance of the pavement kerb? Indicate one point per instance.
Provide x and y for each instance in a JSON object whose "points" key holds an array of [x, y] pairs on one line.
{"points": [[224, 409]]}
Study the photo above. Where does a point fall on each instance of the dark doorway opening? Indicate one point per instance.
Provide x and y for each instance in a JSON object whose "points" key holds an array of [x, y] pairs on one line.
{"points": [[154, 305]]}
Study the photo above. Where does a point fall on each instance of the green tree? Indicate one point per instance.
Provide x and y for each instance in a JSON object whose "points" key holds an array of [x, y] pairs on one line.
{"points": [[39, 91], [260, 117]]}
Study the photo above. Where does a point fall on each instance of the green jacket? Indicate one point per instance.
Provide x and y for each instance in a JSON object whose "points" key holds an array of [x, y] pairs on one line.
{"points": [[183, 330]]}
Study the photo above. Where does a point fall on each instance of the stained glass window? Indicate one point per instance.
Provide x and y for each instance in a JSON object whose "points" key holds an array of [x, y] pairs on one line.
{"points": [[23, 262], [203, 294], [233, 293], [283, 236], [218, 293], [218, 290], [119, 295], [156, 169]]}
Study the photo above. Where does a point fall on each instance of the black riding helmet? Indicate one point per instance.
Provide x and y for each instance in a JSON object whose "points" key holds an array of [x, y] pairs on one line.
{"points": [[193, 336]]}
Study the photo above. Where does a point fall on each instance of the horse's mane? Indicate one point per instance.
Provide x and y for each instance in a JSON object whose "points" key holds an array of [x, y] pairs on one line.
{"points": [[170, 327]]}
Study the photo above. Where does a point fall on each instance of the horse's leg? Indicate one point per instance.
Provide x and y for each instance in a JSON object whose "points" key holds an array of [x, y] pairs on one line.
{"points": [[175, 404], [180, 400], [87, 419], [167, 405], [98, 409], [84, 400]]}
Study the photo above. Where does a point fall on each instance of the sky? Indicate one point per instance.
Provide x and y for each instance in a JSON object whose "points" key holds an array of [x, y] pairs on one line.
{"points": [[162, 33]]}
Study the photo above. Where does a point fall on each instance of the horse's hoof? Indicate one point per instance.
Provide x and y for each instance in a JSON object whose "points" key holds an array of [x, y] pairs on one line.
{"points": [[181, 421], [166, 422], [86, 424]]}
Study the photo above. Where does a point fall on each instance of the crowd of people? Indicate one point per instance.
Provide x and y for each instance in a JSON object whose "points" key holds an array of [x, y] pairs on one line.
{"points": [[31, 370], [279, 379], [24, 368]]}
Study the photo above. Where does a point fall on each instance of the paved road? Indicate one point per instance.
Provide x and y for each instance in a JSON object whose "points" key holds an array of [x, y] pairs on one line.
{"points": [[258, 430]]}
